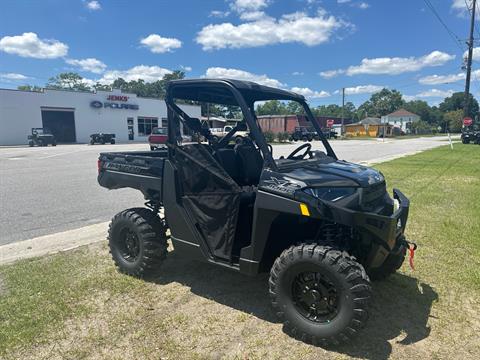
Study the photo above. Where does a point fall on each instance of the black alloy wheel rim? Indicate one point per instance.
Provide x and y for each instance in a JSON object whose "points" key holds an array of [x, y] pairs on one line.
{"points": [[129, 245], [315, 297]]}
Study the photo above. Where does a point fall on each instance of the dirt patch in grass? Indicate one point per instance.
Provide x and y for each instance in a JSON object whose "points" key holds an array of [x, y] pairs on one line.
{"points": [[76, 305]]}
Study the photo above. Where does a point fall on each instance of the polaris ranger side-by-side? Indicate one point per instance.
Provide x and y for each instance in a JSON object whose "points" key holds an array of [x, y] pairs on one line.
{"points": [[319, 225]]}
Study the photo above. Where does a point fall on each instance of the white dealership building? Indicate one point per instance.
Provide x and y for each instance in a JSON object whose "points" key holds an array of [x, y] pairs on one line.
{"points": [[72, 116]]}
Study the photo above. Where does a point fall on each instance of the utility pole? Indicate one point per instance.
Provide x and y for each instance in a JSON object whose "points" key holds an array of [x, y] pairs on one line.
{"points": [[469, 62], [343, 110]]}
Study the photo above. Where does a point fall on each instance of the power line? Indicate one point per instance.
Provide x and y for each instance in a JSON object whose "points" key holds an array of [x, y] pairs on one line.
{"points": [[454, 37]]}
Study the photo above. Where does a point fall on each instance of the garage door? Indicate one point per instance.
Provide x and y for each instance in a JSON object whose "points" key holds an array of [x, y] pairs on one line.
{"points": [[61, 123]]}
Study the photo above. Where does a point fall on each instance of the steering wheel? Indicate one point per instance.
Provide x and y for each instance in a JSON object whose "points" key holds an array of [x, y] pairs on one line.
{"points": [[294, 156]]}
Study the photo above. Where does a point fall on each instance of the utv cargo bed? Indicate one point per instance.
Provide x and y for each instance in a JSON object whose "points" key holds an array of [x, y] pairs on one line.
{"points": [[141, 170]]}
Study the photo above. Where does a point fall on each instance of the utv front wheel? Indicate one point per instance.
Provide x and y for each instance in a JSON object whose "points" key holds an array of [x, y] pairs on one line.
{"points": [[138, 242], [320, 294]]}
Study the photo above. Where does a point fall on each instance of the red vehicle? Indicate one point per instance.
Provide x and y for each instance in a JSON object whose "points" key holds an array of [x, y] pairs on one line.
{"points": [[158, 138]]}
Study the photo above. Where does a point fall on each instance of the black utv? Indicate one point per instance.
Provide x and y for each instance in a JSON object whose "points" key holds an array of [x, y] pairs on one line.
{"points": [[321, 226], [41, 137], [471, 134], [102, 138], [303, 133]]}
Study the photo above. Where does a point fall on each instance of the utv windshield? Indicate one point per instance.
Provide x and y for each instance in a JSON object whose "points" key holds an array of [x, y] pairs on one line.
{"points": [[266, 114]]}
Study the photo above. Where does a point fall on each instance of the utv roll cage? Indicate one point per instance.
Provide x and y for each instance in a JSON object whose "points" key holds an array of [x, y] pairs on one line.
{"points": [[240, 93]]}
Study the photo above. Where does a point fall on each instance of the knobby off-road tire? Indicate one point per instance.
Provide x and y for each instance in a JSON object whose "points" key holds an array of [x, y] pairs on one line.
{"points": [[138, 242], [392, 263], [338, 286]]}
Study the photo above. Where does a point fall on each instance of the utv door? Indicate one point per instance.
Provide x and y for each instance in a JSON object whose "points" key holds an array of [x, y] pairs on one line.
{"points": [[208, 199]]}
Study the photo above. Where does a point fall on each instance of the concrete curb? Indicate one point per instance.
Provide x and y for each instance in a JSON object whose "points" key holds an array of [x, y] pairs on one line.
{"points": [[53, 243]]}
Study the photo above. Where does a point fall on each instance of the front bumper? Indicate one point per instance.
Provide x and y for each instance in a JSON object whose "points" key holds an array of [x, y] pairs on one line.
{"points": [[386, 231]]}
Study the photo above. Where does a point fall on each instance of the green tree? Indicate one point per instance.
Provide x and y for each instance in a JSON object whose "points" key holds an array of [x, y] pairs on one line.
{"points": [[382, 103], [67, 81], [29, 88], [456, 102], [295, 108], [421, 108], [102, 87], [454, 119], [155, 89], [272, 107]]}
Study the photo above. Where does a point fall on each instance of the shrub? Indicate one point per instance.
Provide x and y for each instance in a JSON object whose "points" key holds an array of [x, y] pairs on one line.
{"points": [[269, 136], [283, 136]]}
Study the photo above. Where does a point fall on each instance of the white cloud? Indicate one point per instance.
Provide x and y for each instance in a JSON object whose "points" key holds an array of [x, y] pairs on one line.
{"points": [[93, 5], [393, 66], [343, 1], [13, 76], [242, 5], [363, 5], [475, 54], [331, 73], [460, 6], [309, 93], [147, 73], [298, 73], [90, 64], [158, 44], [449, 78], [219, 14], [441, 79], [363, 89], [186, 68], [432, 93], [253, 16], [29, 45], [219, 72], [290, 28]]}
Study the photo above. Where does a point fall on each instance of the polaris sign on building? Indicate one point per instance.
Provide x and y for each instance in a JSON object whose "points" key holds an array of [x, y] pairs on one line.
{"points": [[72, 116]]}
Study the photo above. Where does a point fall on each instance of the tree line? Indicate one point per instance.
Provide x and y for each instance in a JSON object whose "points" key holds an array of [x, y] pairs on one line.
{"points": [[447, 115]]}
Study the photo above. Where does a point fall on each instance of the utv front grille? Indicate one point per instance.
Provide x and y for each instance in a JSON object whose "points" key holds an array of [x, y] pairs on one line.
{"points": [[373, 196]]}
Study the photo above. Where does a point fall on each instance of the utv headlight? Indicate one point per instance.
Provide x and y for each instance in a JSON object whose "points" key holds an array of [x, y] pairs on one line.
{"points": [[330, 194]]}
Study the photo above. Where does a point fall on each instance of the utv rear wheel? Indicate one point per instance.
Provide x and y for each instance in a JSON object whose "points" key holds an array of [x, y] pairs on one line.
{"points": [[138, 242], [320, 294], [392, 263]]}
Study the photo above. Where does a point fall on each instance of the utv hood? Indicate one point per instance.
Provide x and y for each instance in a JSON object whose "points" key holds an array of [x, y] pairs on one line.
{"points": [[323, 173]]}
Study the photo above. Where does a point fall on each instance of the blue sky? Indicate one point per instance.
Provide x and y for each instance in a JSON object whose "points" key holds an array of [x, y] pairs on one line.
{"points": [[313, 47]]}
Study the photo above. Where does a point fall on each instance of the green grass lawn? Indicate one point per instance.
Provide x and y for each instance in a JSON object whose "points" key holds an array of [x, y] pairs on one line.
{"points": [[75, 304]]}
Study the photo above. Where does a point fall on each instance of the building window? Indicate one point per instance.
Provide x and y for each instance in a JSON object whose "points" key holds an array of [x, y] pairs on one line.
{"points": [[146, 124], [164, 122]]}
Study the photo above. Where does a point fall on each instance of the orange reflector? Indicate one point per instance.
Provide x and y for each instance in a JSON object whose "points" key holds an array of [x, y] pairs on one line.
{"points": [[304, 209]]}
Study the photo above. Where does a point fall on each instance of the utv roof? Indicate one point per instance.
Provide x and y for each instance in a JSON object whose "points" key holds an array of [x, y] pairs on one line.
{"points": [[213, 91]]}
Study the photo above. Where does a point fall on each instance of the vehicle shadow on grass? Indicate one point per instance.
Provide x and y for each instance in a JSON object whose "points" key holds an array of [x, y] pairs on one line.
{"points": [[400, 306]]}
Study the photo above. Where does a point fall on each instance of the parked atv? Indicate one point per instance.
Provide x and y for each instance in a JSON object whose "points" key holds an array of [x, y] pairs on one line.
{"points": [[303, 133], [321, 226], [102, 138], [41, 137]]}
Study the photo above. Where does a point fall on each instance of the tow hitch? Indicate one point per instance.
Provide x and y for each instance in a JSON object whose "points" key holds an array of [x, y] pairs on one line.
{"points": [[411, 246]]}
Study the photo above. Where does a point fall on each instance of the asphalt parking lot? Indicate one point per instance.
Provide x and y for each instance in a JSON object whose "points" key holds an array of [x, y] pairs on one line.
{"points": [[48, 190]]}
